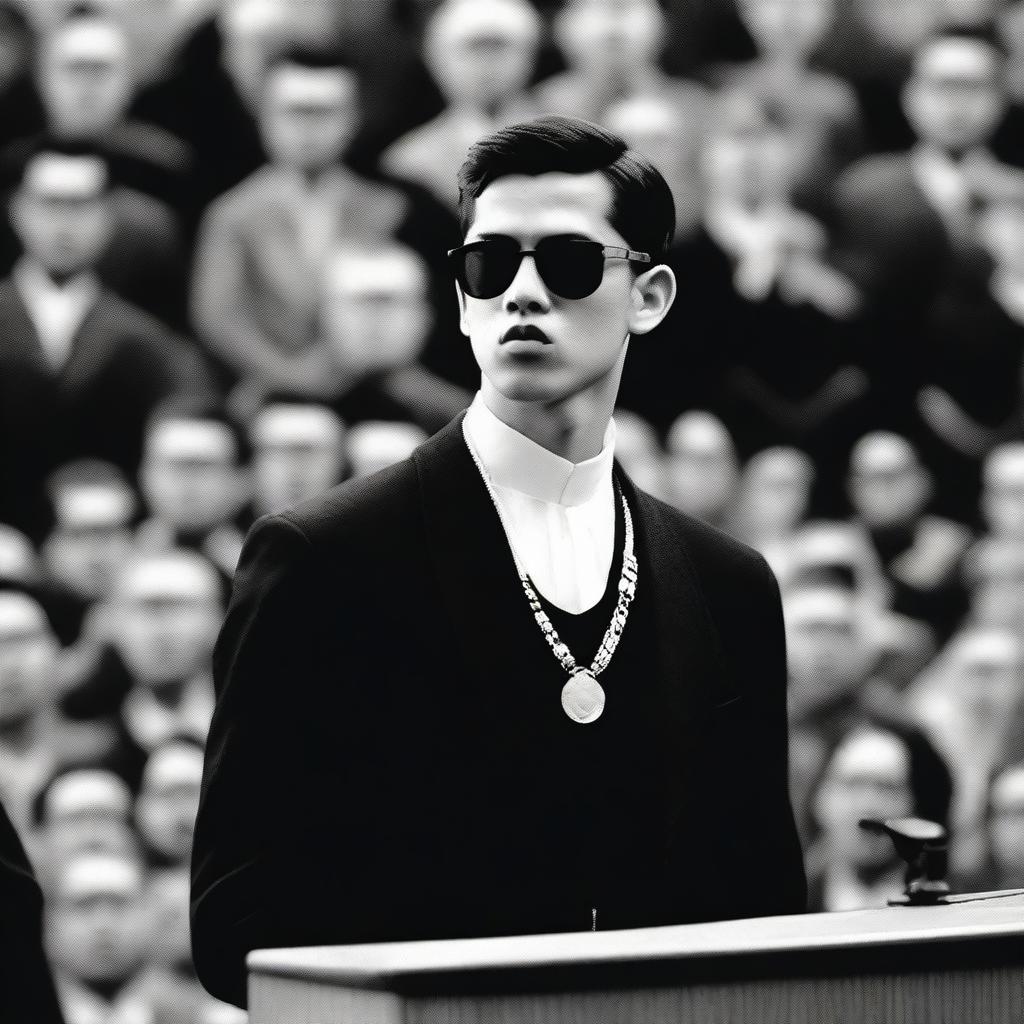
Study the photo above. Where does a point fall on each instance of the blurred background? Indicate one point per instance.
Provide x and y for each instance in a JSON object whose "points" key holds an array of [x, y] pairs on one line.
{"points": [[224, 290]]}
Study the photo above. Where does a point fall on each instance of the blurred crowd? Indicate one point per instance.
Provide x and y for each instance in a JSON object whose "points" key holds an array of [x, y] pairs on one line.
{"points": [[224, 290]]}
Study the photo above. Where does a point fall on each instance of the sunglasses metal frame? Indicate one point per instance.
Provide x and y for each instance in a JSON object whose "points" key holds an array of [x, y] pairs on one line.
{"points": [[614, 252]]}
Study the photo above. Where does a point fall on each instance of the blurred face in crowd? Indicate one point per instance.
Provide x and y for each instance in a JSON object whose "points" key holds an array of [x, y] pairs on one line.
{"points": [[775, 490], [308, 115], [376, 444], [655, 127], [251, 30], [1002, 495], [169, 800], [887, 485], [638, 449], [376, 311], [746, 160], [298, 453], [616, 38], [1006, 823], [91, 537], [955, 97], [168, 610], [87, 811], [988, 675], [868, 776], [190, 475], [481, 52], [826, 646], [85, 77], [584, 340], [702, 466], [788, 28], [61, 212], [97, 923], [997, 594], [28, 651], [1001, 230]]}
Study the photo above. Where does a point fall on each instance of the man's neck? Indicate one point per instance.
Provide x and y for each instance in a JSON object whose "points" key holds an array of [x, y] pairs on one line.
{"points": [[573, 428]]}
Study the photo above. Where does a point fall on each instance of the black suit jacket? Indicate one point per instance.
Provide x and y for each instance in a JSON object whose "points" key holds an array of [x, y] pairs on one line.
{"points": [[375, 768]]}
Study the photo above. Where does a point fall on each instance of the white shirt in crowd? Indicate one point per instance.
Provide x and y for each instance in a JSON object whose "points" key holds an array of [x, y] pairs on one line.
{"points": [[561, 514]]}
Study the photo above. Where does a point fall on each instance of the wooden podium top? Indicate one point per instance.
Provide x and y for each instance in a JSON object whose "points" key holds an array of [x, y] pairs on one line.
{"points": [[968, 919]]}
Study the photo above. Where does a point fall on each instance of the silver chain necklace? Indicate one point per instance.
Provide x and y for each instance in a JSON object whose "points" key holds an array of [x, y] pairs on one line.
{"points": [[583, 697]]}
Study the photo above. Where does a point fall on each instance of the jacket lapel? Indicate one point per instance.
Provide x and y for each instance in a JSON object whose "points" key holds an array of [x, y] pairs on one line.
{"points": [[479, 588]]}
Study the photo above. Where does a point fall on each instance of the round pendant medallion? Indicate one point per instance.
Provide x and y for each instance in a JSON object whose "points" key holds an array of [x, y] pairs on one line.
{"points": [[583, 697]]}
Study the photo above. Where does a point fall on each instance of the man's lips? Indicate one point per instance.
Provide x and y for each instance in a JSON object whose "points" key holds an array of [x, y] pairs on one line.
{"points": [[525, 332]]}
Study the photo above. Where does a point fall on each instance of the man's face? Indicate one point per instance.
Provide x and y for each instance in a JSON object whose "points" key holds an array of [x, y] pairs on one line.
{"points": [[744, 161], [481, 67], [955, 98], [989, 676], [776, 489], [309, 115], [169, 801], [586, 338], [28, 652], [1002, 496], [86, 79], [91, 538], [888, 493], [701, 466], [786, 26], [868, 777], [62, 212], [190, 475], [611, 37], [168, 615], [97, 920]]}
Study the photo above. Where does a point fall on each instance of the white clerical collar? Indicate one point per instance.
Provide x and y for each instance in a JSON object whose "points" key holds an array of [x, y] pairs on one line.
{"points": [[514, 460]]}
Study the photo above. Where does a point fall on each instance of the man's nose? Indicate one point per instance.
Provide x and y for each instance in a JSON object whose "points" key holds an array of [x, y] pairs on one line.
{"points": [[527, 291]]}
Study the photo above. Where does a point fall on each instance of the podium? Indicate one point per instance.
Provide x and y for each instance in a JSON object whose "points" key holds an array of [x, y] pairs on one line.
{"points": [[961, 963]]}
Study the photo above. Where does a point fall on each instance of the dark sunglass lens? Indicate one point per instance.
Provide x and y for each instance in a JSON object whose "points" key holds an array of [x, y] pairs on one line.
{"points": [[488, 269], [570, 267]]}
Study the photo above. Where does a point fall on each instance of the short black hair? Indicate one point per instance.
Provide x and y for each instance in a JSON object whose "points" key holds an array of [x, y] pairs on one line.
{"points": [[987, 35], [50, 145], [643, 210], [204, 407]]}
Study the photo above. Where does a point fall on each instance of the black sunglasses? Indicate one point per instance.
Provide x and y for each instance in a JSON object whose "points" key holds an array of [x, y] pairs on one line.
{"points": [[569, 267]]}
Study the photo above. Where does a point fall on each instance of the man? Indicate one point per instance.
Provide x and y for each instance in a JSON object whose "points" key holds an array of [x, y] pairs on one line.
{"points": [[80, 368], [438, 768], [262, 245]]}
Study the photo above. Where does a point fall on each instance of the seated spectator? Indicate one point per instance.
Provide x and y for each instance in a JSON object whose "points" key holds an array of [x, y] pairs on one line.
{"points": [[613, 48], [879, 769], [702, 467], [994, 576], [819, 111], [193, 478], [922, 553], [374, 445], [82, 810], [263, 245], [80, 368], [904, 222], [773, 498], [971, 703], [377, 319], [298, 452], [169, 800], [98, 936], [970, 396], [638, 449], [28, 739], [1002, 492], [168, 607], [481, 54], [93, 510]]}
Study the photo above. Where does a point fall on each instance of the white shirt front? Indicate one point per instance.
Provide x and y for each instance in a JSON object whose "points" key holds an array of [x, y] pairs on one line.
{"points": [[561, 515], [56, 311]]}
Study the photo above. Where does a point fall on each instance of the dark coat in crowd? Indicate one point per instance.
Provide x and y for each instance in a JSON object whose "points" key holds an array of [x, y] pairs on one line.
{"points": [[388, 759]]}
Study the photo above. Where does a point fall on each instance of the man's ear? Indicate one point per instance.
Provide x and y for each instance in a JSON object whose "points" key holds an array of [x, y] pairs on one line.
{"points": [[463, 322], [652, 295]]}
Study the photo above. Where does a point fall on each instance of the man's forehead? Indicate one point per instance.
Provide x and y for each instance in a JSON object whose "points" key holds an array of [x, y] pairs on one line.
{"points": [[957, 58], [880, 753], [555, 202], [296, 86]]}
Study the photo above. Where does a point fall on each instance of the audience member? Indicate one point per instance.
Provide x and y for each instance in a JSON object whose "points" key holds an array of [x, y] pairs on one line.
{"points": [[298, 452], [81, 368], [1005, 821], [1002, 492], [374, 445], [193, 478], [481, 54], [879, 769], [994, 576], [168, 800], [638, 450], [702, 467], [890, 491]]}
